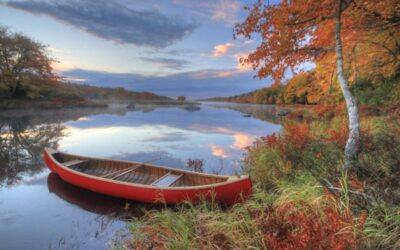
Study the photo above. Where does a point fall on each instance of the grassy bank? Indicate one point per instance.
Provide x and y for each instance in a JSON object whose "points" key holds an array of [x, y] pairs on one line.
{"points": [[302, 198]]}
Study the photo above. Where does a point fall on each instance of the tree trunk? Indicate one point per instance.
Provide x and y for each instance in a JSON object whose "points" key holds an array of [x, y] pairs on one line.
{"points": [[353, 142]]}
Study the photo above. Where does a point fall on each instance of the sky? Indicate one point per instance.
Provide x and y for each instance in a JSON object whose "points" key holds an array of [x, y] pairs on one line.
{"points": [[169, 47]]}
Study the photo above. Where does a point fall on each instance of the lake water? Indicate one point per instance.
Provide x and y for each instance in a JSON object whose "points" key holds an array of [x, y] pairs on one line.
{"points": [[38, 210]]}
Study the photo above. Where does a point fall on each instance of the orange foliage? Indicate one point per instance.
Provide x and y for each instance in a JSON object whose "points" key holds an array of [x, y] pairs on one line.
{"points": [[339, 137], [298, 135], [305, 226], [295, 32], [336, 109], [321, 110], [316, 224], [270, 140]]}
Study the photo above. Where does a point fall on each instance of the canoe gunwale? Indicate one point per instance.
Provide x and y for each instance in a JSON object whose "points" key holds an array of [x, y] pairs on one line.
{"points": [[230, 179]]}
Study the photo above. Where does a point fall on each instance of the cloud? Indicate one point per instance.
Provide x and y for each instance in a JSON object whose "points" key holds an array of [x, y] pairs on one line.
{"points": [[167, 63], [240, 66], [110, 20], [225, 11], [180, 52], [212, 74], [167, 137], [221, 49], [75, 79], [219, 151], [55, 50], [242, 140], [60, 66], [236, 50]]}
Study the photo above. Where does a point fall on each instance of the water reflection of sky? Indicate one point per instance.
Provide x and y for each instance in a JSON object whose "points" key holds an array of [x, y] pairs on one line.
{"points": [[216, 136], [40, 211], [31, 218]]}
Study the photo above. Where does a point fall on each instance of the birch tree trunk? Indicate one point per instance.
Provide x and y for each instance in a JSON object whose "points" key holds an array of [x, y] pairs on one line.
{"points": [[353, 142]]}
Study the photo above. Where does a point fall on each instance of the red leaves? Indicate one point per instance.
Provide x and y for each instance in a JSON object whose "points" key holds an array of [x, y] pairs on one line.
{"points": [[285, 29], [270, 140], [339, 137], [307, 226], [295, 32], [298, 135], [322, 111]]}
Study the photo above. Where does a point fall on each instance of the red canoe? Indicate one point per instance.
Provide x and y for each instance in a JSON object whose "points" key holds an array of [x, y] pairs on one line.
{"points": [[146, 182]]}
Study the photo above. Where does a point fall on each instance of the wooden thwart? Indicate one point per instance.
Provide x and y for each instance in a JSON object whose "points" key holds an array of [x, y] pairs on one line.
{"points": [[72, 163], [166, 180], [125, 172], [120, 171], [128, 168]]}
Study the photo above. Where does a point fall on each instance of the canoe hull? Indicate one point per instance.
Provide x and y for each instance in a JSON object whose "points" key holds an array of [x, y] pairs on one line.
{"points": [[227, 193]]}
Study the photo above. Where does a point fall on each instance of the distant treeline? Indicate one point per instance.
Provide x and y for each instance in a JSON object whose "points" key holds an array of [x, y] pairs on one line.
{"points": [[308, 88], [102, 93]]}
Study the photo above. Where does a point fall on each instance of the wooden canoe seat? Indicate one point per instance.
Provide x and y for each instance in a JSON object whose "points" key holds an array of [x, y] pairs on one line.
{"points": [[72, 163], [166, 180]]}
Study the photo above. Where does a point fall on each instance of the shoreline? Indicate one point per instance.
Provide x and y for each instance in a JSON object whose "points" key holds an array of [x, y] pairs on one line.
{"points": [[13, 104]]}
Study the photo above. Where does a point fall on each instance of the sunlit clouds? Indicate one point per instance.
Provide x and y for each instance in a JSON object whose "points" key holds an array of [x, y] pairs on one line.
{"points": [[236, 51], [239, 141], [63, 66], [219, 151], [83, 118], [242, 140], [221, 49], [171, 47], [55, 50]]}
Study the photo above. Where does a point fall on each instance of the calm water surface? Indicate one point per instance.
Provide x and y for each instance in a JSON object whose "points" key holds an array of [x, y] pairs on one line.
{"points": [[38, 210]]}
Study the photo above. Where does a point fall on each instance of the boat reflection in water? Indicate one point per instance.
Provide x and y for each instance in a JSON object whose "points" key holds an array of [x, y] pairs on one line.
{"points": [[113, 208]]}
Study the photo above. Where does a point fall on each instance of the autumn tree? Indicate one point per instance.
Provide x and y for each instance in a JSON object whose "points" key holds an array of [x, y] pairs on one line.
{"points": [[22, 62], [296, 32]]}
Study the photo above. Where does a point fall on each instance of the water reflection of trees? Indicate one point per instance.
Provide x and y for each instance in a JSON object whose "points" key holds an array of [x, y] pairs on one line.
{"points": [[21, 147], [263, 112], [25, 133]]}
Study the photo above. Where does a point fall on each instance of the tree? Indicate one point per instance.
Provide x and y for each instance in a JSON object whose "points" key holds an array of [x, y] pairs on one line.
{"points": [[296, 32], [22, 61], [181, 98]]}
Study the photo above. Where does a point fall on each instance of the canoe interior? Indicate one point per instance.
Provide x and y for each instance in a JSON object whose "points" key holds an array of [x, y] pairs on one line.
{"points": [[135, 173]]}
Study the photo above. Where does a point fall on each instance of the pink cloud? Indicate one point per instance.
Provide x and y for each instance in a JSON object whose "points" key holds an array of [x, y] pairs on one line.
{"points": [[221, 49]]}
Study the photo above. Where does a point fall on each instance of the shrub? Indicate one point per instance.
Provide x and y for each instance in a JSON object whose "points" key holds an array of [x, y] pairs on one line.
{"points": [[312, 223]]}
